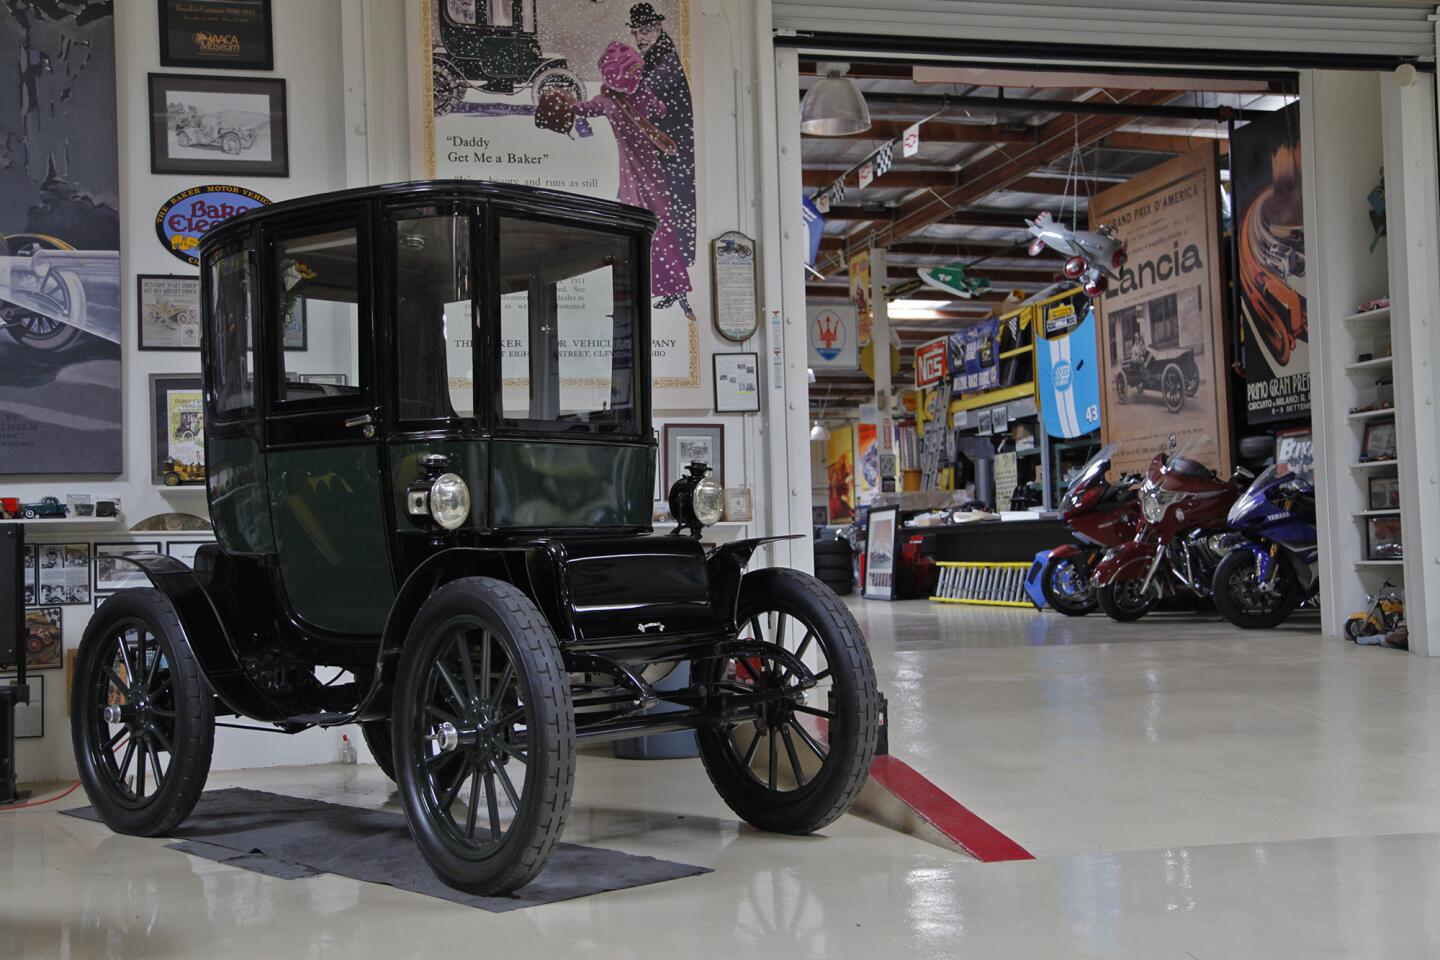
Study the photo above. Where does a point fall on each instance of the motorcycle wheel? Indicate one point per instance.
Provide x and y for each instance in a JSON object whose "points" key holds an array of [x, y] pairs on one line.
{"points": [[1243, 601], [1360, 626], [1123, 602], [1172, 388], [1067, 588]]}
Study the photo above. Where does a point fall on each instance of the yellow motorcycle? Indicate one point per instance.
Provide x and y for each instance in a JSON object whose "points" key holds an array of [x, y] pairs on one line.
{"points": [[1385, 615]]}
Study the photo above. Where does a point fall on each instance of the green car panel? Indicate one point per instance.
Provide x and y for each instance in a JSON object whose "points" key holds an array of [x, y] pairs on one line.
{"points": [[238, 501], [560, 484]]}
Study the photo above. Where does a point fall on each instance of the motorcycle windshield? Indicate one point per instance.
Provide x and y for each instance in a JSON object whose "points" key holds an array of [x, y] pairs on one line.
{"points": [[1094, 468], [1182, 460], [1244, 509]]}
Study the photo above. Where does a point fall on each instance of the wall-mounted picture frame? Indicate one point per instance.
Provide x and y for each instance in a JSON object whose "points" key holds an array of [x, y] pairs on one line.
{"points": [[735, 285], [1383, 539], [217, 34], [168, 312], [736, 378], [29, 717], [1379, 441], [739, 505], [334, 379], [184, 550], [685, 442], [881, 539], [62, 574], [1384, 493], [44, 638], [177, 431], [29, 573], [112, 574], [218, 125]]}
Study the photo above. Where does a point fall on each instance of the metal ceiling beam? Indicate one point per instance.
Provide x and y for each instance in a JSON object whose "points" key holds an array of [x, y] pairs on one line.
{"points": [[1133, 107], [937, 131]]}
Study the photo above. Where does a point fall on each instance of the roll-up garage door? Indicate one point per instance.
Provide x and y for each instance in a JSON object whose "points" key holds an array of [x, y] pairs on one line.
{"points": [[1360, 33]]}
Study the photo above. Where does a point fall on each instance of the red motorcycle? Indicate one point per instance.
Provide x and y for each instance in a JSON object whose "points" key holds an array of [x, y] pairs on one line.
{"points": [[1180, 543], [1101, 514]]}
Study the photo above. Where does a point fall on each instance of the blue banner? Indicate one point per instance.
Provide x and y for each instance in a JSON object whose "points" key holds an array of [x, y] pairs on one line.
{"points": [[974, 361]]}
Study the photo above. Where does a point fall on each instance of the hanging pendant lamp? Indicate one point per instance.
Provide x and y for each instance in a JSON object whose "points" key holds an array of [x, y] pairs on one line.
{"points": [[834, 107]]}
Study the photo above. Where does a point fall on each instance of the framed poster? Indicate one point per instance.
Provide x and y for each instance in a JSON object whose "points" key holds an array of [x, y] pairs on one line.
{"points": [[112, 574], [184, 550], [1384, 493], [686, 442], [218, 34], [61, 393], [62, 573], [737, 382], [1379, 441], [739, 505], [28, 572], [880, 545], [218, 125], [177, 416], [44, 645], [734, 282], [169, 312], [1383, 540], [1164, 360], [29, 717]]}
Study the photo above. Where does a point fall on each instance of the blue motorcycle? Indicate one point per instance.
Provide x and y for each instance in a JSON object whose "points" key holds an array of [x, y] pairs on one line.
{"points": [[1273, 567]]}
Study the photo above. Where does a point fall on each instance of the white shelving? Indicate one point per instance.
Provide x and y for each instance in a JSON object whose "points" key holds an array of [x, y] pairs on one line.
{"points": [[1381, 313], [1361, 415], [1396, 564], [40, 524], [1367, 366], [1363, 514], [1374, 465]]}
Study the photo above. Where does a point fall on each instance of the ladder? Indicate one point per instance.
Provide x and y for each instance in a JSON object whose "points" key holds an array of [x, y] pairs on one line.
{"points": [[933, 450], [986, 584]]}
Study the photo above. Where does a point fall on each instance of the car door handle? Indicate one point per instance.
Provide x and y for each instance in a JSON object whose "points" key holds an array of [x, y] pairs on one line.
{"points": [[365, 422]]}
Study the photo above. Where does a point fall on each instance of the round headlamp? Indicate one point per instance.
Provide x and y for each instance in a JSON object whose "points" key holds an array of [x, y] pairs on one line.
{"points": [[696, 501], [708, 501], [449, 500]]}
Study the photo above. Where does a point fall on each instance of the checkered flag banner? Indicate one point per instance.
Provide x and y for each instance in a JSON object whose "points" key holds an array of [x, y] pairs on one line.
{"points": [[837, 191], [885, 158]]}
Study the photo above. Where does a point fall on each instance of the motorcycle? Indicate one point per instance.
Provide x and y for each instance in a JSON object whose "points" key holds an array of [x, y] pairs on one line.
{"points": [[1272, 569], [1383, 619], [1180, 542], [1101, 514]]}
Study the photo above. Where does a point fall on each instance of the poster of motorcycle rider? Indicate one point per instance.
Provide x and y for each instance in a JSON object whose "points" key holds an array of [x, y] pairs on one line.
{"points": [[1162, 347], [1265, 157], [596, 99], [60, 399]]}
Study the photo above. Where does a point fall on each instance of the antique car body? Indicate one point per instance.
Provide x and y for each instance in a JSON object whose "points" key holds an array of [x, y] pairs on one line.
{"points": [[494, 44], [52, 294], [1172, 372], [44, 507], [464, 526]]}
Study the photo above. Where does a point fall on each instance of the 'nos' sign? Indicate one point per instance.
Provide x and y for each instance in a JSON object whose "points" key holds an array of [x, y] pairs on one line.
{"points": [[930, 362]]}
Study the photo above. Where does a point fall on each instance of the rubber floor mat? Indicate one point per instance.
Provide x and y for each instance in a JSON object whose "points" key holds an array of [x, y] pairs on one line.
{"points": [[290, 838]]}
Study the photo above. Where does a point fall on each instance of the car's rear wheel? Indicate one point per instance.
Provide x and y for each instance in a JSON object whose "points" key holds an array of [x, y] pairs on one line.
{"points": [[484, 733], [803, 761], [449, 86], [1172, 388], [381, 743], [143, 717], [1120, 393]]}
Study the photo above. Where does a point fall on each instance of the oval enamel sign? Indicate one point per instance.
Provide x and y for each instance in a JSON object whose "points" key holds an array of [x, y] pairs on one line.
{"points": [[190, 214]]}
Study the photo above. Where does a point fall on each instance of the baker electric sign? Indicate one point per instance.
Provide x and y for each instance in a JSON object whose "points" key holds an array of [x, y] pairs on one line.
{"points": [[930, 362]]}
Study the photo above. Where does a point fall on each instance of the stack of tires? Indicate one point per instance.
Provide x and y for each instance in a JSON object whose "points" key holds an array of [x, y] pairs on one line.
{"points": [[835, 566]]}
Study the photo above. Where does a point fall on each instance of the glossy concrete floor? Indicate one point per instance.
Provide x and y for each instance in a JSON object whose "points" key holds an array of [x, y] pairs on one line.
{"points": [[1189, 791]]}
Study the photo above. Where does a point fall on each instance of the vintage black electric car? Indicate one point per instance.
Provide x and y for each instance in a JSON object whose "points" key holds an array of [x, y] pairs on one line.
{"points": [[435, 521]]}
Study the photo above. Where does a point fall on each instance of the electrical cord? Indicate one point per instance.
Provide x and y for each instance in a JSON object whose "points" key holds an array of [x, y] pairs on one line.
{"points": [[40, 803]]}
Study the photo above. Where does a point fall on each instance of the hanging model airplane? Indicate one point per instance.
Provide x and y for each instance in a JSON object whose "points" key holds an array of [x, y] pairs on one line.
{"points": [[1096, 256], [954, 279]]}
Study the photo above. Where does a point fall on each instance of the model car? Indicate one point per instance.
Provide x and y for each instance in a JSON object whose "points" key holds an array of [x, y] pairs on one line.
{"points": [[44, 507], [464, 527], [176, 472], [496, 48], [1172, 372]]}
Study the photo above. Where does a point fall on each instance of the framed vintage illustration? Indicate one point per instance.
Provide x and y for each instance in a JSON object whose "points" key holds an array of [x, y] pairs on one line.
{"points": [[29, 717], [169, 312], [734, 283], [739, 505], [686, 442], [29, 574], [177, 417], [737, 382], [1384, 493], [218, 125], [216, 34], [1382, 539], [112, 575], [44, 645], [1379, 442], [880, 543], [184, 550], [62, 573]]}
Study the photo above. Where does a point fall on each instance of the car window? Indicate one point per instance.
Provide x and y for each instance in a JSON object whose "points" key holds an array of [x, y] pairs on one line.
{"points": [[317, 290], [567, 314], [433, 315], [461, 11], [230, 352]]}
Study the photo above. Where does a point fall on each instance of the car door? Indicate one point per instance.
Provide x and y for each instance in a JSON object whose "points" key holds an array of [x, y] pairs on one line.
{"points": [[324, 476]]}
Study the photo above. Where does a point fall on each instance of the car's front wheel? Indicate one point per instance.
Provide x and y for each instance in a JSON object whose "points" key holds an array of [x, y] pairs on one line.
{"points": [[802, 761], [484, 736]]}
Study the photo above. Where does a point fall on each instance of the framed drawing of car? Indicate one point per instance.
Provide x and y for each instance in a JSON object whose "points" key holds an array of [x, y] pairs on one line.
{"points": [[218, 125], [169, 312], [687, 442]]}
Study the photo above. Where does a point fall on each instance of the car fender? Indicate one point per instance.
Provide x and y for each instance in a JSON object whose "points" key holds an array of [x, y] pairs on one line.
{"points": [[726, 567], [1126, 562]]}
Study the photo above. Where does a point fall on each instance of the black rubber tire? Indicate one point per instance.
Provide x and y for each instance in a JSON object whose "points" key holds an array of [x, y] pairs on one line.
{"points": [[192, 735], [381, 741], [832, 566], [1059, 602], [1230, 609], [832, 548], [1117, 608], [852, 733], [841, 586], [1357, 627], [529, 643]]}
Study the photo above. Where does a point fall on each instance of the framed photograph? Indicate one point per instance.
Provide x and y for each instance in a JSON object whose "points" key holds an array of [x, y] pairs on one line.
{"points": [[29, 717], [1379, 442], [218, 34], [1383, 540], [297, 336], [62, 573], [737, 382], [29, 573], [1384, 493], [169, 312], [112, 574], [820, 516], [685, 442], [336, 379], [739, 507], [184, 550], [218, 125], [44, 645], [880, 545], [177, 436]]}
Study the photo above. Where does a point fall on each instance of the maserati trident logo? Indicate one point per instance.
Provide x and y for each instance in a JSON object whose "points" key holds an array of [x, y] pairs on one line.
{"points": [[656, 625]]}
